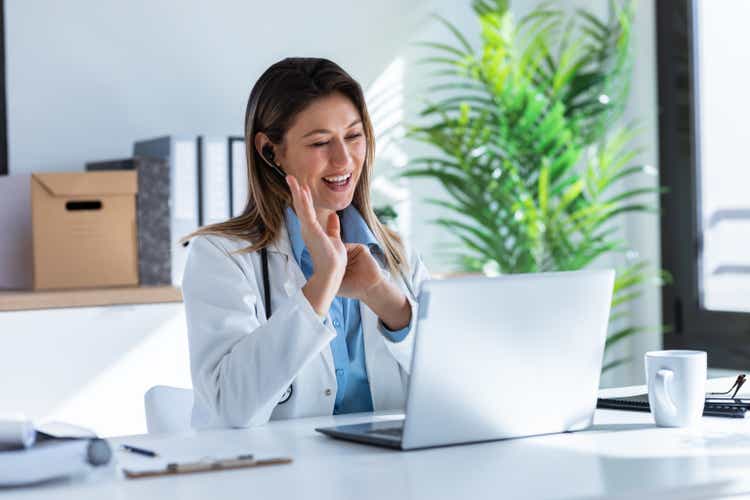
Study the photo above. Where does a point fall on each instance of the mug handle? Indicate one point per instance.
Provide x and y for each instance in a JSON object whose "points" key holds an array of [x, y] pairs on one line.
{"points": [[663, 378]]}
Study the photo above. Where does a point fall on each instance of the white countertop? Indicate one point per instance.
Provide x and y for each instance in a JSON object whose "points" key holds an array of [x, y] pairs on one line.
{"points": [[622, 456]]}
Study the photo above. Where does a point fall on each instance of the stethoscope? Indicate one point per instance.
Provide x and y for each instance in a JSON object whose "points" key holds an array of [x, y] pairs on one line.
{"points": [[268, 156], [267, 301]]}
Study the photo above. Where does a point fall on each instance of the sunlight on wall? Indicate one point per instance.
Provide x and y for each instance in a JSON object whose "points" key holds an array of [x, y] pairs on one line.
{"points": [[112, 403], [385, 101]]}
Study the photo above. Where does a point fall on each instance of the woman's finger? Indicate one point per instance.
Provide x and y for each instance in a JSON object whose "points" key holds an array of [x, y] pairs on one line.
{"points": [[307, 208], [333, 226], [300, 200], [308, 202], [294, 189], [355, 249], [304, 208]]}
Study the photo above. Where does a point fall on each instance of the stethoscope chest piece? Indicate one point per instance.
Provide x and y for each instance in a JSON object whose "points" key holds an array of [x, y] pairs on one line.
{"points": [[287, 394]]}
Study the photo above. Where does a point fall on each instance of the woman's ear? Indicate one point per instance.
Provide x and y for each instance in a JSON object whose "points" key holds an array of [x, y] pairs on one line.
{"points": [[262, 141], [265, 149]]}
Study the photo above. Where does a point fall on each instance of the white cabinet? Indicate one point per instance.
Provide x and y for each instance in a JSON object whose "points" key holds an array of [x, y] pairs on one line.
{"points": [[90, 366]]}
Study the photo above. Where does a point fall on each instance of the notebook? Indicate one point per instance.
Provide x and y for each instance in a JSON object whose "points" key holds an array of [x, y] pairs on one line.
{"points": [[714, 407]]}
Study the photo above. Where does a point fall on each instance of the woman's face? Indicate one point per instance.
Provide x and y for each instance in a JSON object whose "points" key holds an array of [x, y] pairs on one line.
{"points": [[325, 149]]}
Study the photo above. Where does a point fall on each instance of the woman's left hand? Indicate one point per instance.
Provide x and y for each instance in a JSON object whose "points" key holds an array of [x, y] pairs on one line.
{"points": [[363, 281], [362, 273]]}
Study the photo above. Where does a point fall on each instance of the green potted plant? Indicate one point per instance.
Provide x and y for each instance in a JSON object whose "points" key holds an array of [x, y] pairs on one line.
{"points": [[535, 173]]}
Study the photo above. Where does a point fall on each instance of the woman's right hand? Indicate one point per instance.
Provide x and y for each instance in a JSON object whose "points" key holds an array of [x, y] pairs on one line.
{"points": [[326, 249]]}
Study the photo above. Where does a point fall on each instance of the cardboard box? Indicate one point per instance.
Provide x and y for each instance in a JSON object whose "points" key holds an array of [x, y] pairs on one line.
{"points": [[84, 229], [16, 264], [152, 215]]}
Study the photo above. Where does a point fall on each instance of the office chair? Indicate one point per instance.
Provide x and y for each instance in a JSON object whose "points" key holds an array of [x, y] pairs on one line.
{"points": [[168, 409]]}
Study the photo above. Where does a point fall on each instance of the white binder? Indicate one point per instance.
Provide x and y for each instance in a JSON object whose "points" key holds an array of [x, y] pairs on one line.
{"points": [[181, 153], [238, 167], [214, 180]]}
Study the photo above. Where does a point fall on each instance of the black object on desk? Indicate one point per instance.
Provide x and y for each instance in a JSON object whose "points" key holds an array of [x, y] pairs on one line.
{"points": [[139, 451], [714, 407]]}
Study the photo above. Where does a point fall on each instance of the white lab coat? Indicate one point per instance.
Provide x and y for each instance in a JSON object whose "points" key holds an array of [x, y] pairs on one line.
{"points": [[242, 365]]}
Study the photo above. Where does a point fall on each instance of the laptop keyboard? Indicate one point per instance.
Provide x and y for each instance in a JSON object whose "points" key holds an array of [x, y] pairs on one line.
{"points": [[388, 431]]}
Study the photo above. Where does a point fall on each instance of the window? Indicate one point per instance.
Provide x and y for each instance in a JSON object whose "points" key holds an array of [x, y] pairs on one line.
{"points": [[703, 142]]}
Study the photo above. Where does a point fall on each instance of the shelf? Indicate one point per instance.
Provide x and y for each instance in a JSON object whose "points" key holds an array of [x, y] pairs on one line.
{"points": [[24, 300]]}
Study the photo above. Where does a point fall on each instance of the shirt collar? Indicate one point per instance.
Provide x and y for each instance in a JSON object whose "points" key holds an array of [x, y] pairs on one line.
{"points": [[354, 229]]}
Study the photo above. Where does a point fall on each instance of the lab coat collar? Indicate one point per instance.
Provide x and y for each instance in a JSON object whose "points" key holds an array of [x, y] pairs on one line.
{"points": [[282, 244]]}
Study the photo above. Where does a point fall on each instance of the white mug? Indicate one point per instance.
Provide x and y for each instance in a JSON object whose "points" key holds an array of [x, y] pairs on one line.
{"points": [[676, 386]]}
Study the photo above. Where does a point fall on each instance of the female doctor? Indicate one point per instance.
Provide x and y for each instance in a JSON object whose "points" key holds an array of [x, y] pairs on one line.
{"points": [[305, 304]]}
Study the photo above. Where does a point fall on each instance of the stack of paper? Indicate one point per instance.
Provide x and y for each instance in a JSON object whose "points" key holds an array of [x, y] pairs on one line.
{"points": [[28, 456], [16, 432]]}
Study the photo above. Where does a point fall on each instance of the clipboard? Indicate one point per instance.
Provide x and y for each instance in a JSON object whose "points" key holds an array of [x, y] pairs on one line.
{"points": [[174, 468]]}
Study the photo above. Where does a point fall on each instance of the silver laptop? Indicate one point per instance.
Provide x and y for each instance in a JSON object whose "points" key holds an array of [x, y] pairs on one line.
{"points": [[496, 358]]}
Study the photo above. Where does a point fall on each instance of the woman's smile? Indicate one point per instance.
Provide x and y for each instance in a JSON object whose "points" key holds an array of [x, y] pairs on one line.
{"points": [[338, 183]]}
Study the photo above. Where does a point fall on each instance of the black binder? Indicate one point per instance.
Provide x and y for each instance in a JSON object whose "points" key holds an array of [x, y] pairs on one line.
{"points": [[714, 407]]}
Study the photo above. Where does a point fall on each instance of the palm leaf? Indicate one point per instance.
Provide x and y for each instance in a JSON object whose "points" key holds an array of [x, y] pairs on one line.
{"points": [[614, 364]]}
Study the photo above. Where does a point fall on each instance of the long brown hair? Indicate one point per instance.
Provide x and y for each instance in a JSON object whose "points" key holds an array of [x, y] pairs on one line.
{"points": [[282, 91]]}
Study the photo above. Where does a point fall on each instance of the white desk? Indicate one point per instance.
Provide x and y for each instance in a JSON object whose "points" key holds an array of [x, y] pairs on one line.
{"points": [[623, 456]]}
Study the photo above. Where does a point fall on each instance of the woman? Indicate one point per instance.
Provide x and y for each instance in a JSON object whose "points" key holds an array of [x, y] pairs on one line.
{"points": [[334, 332]]}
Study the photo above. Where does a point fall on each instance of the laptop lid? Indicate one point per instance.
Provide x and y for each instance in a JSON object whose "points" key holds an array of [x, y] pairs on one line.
{"points": [[509, 356]]}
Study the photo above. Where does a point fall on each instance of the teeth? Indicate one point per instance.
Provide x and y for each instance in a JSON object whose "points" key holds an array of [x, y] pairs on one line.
{"points": [[338, 178]]}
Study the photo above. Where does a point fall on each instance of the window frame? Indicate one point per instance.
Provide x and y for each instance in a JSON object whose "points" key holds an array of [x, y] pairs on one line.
{"points": [[3, 119]]}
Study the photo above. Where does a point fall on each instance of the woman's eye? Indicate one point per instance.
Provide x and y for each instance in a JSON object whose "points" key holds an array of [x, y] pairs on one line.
{"points": [[321, 144]]}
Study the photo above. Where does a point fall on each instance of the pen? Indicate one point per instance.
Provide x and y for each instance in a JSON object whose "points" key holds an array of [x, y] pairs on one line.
{"points": [[140, 451]]}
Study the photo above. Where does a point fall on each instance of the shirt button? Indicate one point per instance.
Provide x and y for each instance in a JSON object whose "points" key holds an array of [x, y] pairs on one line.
{"points": [[328, 392], [336, 323], [339, 372]]}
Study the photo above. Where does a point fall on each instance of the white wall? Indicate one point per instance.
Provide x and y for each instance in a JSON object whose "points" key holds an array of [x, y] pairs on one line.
{"points": [[643, 230], [87, 78]]}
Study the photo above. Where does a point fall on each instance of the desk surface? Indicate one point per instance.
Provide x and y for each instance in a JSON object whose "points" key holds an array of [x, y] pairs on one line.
{"points": [[622, 456]]}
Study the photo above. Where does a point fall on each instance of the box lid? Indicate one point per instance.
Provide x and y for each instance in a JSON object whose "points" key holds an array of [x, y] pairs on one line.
{"points": [[88, 183]]}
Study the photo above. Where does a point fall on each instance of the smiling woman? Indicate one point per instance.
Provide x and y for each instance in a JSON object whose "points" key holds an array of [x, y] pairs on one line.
{"points": [[342, 287], [313, 115]]}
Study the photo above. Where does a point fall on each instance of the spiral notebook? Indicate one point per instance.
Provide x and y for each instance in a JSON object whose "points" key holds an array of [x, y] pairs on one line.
{"points": [[714, 407]]}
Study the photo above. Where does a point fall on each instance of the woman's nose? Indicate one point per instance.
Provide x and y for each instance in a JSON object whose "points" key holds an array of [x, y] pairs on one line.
{"points": [[339, 153]]}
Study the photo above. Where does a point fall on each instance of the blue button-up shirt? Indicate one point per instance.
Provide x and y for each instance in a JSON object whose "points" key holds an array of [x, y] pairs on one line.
{"points": [[348, 347]]}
